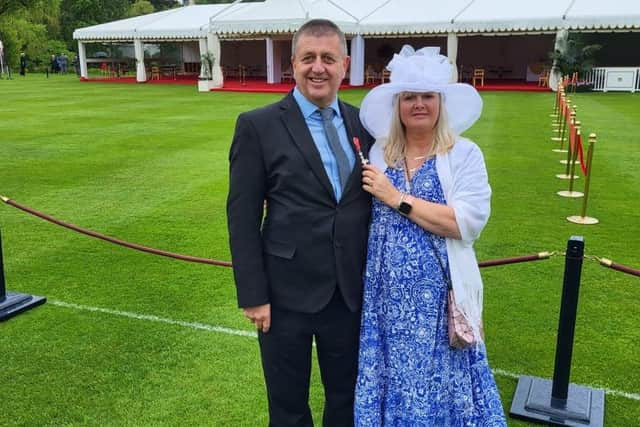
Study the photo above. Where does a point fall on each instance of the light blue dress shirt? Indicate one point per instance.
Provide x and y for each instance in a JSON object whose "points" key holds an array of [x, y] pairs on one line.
{"points": [[314, 123]]}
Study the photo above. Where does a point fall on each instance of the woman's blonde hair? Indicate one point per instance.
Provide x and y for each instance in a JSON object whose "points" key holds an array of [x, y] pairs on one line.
{"points": [[394, 146]]}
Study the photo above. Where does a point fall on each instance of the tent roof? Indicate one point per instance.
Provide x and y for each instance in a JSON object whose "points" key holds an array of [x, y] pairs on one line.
{"points": [[595, 14], [511, 16], [411, 16], [184, 22], [281, 16], [373, 17]]}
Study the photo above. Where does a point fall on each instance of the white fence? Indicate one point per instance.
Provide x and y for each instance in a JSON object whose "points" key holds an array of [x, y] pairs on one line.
{"points": [[606, 79]]}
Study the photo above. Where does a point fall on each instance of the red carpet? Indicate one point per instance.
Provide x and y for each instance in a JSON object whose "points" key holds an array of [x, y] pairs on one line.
{"points": [[179, 80], [260, 85], [513, 85]]}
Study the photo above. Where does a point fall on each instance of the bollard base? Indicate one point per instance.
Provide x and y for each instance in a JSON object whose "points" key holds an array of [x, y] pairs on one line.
{"points": [[532, 401], [15, 303], [572, 194], [584, 220]]}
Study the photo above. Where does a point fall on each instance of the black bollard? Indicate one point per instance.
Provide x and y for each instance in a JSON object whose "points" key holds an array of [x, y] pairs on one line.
{"points": [[13, 303], [3, 290], [557, 402], [567, 323]]}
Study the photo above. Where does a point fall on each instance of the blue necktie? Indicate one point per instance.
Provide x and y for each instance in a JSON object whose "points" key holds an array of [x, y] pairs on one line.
{"points": [[344, 169]]}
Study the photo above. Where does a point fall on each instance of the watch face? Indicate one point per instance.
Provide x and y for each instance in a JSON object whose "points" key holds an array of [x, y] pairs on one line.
{"points": [[404, 208]]}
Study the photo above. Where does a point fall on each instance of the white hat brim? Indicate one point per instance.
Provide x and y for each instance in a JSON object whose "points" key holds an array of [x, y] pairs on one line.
{"points": [[462, 102]]}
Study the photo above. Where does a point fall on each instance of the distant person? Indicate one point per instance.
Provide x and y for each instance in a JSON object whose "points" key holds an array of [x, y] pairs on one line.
{"points": [[23, 64], [59, 61], [76, 65], [64, 63], [431, 201], [53, 64]]}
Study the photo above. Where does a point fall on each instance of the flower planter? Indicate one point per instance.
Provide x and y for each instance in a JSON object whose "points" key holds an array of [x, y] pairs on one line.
{"points": [[205, 85]]}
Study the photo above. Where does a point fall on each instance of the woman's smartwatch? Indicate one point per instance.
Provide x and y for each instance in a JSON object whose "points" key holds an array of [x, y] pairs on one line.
{"points": [[404, 206]]}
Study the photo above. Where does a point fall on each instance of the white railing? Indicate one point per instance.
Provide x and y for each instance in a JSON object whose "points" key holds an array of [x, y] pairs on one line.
{"points": [[606, 79]]}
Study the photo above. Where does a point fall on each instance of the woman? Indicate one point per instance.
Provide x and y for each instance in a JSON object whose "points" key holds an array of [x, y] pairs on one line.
{"points": [[431, 201]]}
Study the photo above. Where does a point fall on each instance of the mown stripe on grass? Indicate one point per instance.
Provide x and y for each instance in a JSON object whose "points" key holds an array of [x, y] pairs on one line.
{"points": [[152, 318], [229, 331]]}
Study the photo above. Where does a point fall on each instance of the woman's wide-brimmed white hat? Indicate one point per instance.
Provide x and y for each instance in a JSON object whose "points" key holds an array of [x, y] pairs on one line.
{"points": [[424, 70]]}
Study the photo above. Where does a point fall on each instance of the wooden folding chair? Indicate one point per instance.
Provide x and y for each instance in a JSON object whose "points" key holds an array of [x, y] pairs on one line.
{"points": [[384, 76], [573, 82], [478, 75], [287, 75], [543, 79], [155, 72], [369, 75]]}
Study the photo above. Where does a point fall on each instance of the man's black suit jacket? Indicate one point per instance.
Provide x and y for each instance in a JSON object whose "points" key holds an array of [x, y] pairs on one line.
{"points": [[294, 254]]}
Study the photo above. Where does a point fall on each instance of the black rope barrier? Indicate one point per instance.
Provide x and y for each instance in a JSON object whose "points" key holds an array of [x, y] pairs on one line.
{"points": [[482, 264], [113, 239], [46, 217], [618, 267], [515, 259]]}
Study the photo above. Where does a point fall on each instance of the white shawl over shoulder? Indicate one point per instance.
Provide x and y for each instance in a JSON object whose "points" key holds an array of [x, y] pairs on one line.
{"points": [[465, 184]]}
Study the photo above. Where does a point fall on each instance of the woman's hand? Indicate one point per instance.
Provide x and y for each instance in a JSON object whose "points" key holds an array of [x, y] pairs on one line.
{"points": [[376, 183], [434, 217]]}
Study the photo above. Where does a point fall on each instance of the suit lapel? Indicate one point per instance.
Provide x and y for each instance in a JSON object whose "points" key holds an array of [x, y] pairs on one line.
{"points": [[350, 126], [297, 127]]}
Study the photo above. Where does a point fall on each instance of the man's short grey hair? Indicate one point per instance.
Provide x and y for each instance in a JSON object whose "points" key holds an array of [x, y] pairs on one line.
{"points": [[319, 28]]}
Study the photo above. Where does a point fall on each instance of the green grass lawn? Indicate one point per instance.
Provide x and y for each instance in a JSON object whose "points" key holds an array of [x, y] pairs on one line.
{"points": [[128, 339]]}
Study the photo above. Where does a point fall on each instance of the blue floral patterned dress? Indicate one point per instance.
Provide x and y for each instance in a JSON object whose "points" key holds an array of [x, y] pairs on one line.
{"points": [[408, 374]]}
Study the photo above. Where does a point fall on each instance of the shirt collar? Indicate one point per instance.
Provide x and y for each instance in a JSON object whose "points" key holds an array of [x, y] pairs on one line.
{"points": [[308, 108]]}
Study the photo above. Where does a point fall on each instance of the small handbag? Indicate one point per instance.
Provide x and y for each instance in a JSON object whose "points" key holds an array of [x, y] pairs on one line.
{"points": [[460, 331]]}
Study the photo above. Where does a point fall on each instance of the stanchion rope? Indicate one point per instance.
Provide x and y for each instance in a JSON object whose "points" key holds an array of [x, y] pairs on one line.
{"points": [[113, 239], [605, 262], [482, 264]]}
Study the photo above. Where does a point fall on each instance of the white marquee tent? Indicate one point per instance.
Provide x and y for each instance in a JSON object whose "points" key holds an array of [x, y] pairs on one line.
{"points": [[366, 23]]}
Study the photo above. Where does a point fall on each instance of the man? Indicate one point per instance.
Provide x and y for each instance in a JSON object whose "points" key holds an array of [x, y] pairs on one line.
{"points": [[23, 64], [298, 264]]}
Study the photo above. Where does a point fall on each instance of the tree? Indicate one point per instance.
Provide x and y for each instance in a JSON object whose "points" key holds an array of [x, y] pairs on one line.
{"points": [[574, 55], [140, 7], [164, 4], [76, 14], [8, 6], [30, 27], [224, 1]]}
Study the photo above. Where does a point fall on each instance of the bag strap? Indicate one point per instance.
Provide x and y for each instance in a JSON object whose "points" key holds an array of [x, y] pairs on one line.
{"points": [[445, 271]]}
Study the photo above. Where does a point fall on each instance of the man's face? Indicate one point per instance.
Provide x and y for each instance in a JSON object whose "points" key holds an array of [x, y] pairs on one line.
{"points": [[319, 67]]}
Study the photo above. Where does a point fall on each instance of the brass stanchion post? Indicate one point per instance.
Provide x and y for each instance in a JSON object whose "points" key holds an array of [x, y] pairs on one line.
{"points": [[583, 218], [561, 119], [570, 133], [571, 174], [556, 106], [565, 118]]}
